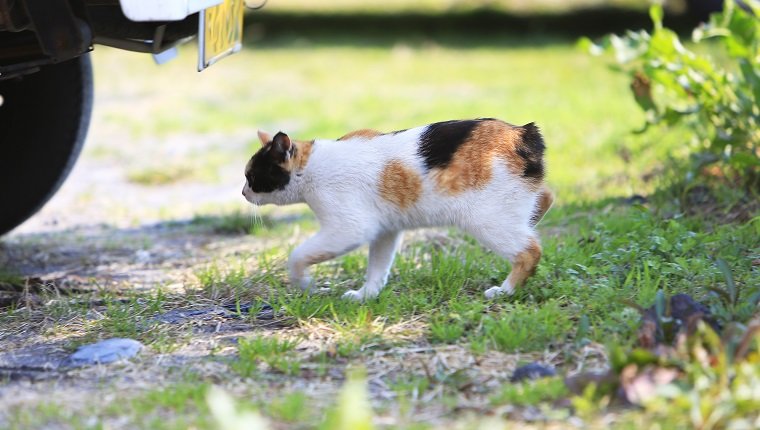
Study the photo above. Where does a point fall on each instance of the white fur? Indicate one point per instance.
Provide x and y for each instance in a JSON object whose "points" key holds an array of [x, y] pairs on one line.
{"points": [[340, 184]]}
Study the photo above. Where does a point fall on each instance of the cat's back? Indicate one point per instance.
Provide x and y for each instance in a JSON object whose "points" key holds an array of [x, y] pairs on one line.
{"points": [[362, 154], [466, 149], [441, 161], [462, 155]]}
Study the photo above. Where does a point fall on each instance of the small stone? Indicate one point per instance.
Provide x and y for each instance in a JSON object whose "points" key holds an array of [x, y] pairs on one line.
{"points": [[105, 351], [143, 256], [532, 371]]}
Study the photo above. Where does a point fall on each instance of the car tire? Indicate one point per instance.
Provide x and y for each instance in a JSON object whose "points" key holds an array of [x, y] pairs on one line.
{"points": [[44, 118]]}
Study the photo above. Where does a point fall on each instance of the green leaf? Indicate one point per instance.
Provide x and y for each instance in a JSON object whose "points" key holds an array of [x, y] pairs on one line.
{"points": [[633, 305], [743, 160], [751, 74], [618, 357], [587, 45], [656, 13], [730, 285], [584, 327], [642, 357], [661, 305], [672, 116], [754, 299], [721, 292]]}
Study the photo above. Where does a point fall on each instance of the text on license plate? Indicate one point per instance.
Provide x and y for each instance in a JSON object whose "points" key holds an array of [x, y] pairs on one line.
{"points": [[220, 32]]}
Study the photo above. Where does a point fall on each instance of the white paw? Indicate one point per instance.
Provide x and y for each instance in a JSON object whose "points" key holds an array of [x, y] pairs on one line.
{"points": [[494, 292], [304, 283], [354, 295]]}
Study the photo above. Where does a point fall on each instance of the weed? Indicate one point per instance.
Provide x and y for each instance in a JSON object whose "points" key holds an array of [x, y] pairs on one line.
{"points": [[290, 408], [162, 175], [277, 354], [236, 222], [527, 328], [531, 393]]}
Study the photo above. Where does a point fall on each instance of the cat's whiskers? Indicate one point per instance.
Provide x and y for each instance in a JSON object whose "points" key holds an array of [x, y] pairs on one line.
{"points": [[256, 218]]}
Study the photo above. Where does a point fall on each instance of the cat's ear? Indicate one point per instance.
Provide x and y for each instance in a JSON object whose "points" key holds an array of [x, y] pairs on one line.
{"points": [[264, 137], [282, 146]]}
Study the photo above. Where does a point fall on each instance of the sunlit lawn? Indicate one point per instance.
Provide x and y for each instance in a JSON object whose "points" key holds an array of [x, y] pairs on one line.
{"points": [[598, 248]]}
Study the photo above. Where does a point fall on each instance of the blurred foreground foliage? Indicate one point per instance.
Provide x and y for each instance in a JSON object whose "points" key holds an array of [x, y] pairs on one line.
{"points": [[694, 366]]}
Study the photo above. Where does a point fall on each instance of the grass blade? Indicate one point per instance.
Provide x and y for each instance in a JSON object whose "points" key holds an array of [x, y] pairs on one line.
{"points": [[730, 285]]}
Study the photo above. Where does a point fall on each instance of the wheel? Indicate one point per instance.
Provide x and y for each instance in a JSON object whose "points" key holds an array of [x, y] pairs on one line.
{"points": [[43, 122]]}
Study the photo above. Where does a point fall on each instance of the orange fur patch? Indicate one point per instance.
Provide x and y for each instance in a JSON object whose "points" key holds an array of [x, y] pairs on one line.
{"points": [[301, 157], [400, 184], [365, 133], [471, 167], [545, 201], [319, 257], [303, 152], [524, 264]]}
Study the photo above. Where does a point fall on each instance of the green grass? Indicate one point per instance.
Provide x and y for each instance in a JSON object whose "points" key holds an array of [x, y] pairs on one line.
{"points": [[291, 408], [10, 277], [622, 252], [276, 353], [160, 175], [531, 392], [598, 249]]}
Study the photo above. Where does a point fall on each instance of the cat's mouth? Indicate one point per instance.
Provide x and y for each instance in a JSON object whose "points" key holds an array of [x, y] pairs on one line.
{"points": [[249, 197]]}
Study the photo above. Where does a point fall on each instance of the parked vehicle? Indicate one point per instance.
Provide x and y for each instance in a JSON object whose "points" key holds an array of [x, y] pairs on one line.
{"points": [[46, 78]]}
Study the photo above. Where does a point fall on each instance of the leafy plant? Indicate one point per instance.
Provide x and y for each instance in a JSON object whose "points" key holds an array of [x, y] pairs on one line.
{"points": [[719, 384], [290, 408], [715, 96], [531, 392], [707, 378], [735, 304]]}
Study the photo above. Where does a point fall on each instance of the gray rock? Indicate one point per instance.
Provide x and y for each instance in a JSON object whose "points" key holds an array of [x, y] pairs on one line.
{"points": [[105, 351], [34, 362], [532, 371]]}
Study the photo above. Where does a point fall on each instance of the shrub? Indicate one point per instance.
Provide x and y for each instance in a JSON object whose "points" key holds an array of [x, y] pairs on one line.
{"points": [[717, 97]]}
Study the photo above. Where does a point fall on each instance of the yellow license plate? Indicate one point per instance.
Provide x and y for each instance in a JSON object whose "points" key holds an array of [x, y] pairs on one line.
{"points": [[220, 32]]}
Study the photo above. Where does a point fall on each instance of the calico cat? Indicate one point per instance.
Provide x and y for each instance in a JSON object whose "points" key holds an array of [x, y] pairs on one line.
{"points": [[484, 176]]}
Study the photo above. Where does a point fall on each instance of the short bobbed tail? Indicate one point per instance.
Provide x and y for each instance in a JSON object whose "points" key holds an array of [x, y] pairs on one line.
{"points": [[531, 149]]}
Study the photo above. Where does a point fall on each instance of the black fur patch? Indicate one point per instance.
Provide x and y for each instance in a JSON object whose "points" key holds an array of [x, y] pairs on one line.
{"points": [[531, 149], [265, 174], [440, 141]]}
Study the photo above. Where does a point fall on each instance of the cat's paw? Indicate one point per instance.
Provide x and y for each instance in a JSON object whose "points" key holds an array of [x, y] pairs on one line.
{"points": [[495, 292], [305, 283], [354, 296]]}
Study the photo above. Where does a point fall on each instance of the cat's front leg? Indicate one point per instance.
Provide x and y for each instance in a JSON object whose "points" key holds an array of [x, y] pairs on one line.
{"points": [[382, 250], [323, 246]]}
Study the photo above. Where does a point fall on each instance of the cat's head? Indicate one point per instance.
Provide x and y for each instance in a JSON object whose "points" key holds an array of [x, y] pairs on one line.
{"points": [[268, 172]]}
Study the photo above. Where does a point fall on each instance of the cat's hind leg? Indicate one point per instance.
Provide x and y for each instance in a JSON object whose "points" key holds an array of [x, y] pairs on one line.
{"points": [[521, 247], [382, 251], [323, 246], [524, 265]]}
